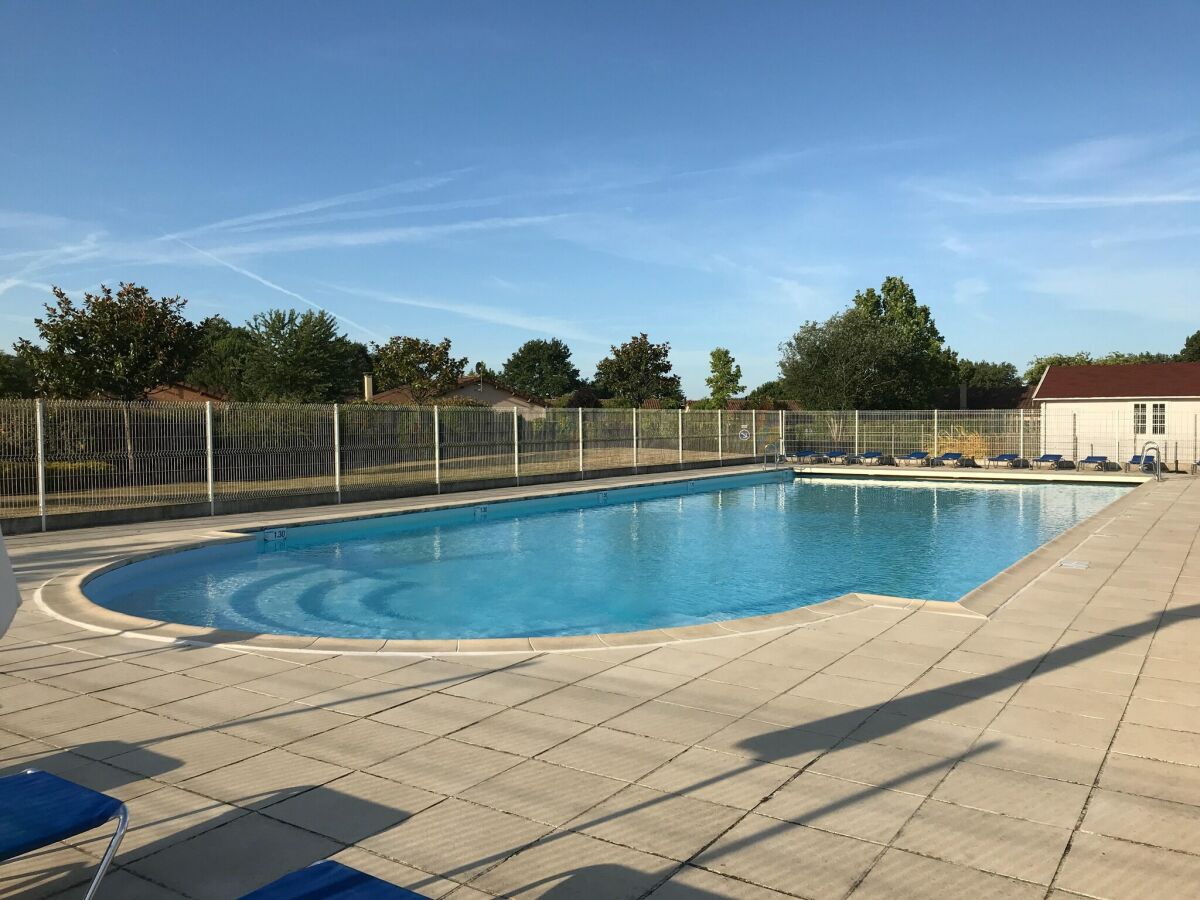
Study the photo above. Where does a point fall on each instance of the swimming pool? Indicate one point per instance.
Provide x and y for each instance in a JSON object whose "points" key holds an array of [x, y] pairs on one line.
{"points": [[606, 561]]}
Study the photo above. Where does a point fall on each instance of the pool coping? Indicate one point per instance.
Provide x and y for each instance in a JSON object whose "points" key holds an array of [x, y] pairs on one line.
{"points": [[62, 596]]}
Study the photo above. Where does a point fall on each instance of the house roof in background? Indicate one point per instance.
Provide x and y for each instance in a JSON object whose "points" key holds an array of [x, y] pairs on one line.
{"points": [[1180, 379]]}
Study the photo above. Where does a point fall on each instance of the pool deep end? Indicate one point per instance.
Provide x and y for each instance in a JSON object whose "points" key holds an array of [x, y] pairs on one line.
{"points": [[617, 560]]}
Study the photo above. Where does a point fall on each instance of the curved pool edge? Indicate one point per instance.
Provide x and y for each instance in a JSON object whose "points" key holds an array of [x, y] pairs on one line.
{"points": [[62, 597]]}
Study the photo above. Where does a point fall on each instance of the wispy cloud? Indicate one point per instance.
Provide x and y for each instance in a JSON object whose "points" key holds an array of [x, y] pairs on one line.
{"points": [[1166, 293], [986, 200], [1146, 236], [1092, 158], [509, 318], [412, 185], [253, 276]]}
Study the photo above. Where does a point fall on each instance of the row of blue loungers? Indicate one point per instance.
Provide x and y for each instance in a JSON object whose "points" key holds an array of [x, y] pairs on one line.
{"points": [[38, 809], [1009, 460]]}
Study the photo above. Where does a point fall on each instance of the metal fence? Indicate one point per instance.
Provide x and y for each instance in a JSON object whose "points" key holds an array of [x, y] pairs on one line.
{"points": [[61, 457]]}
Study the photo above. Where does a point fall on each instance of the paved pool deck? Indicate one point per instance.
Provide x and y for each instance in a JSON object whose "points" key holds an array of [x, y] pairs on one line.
{"points": [[1041, 739]]}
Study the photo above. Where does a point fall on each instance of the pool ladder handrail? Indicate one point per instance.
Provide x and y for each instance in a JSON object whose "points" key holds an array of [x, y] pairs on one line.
{"points": [[767, 451], [1157, 468]]}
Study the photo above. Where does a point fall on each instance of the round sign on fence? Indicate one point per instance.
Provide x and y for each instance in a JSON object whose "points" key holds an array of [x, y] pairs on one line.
{"points": [[744, 434]]}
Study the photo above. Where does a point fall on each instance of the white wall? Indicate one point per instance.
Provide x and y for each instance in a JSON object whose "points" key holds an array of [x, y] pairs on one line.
{"points": [[1079, 428]]}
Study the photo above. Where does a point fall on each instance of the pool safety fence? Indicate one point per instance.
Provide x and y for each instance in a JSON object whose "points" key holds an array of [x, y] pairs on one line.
{"points": [[63, 458]]}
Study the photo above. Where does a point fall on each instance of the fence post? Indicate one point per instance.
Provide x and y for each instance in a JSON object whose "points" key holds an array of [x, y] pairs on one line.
{"points": [[580, 442], [41, 460], [635, 441], [437, 451], [208, 456], [935, 432], [720, 439], [516, 446], [1074, 438], [1021, 434], [337, 454], [782, 445], [681, 437], [754, 433], [856, 432]]}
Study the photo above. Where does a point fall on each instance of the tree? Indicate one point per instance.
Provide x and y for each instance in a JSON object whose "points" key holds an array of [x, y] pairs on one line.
{"points": [[425, 368], [1191, 349], [301, 358], [1115, 358], [219, 366], [983, 374], [120, 346], [637, 371], [16, 380], [541, 368], [768, 395], [883, 352], [726, 377]]}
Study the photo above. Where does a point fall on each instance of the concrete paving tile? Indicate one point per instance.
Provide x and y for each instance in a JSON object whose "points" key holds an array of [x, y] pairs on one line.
{"points": [[264, 779], [520, 732], [361, 698], [727, 699], [366, 665], [765, 851], [888, 767], [99, 678], [120, 735], [1162, 714], [1052, 725], [802, 657], [437, 713], [902, 874], [962, 684], [121, 884], [160, 818], [1086, 679], [616, 754], [844, 807], [983, 840], [184, 757], [748, 673], [942, 706], [582, 704], [504, 688], [1151, 778], [663, 824], [752, 739], [567, 865], [868, 668], [972, 663], [353, 807], [154, 691], [296, 683], [24, 695], [1066, 762], [359, 744], [566, 668], [445, 766], [822, 716], [281, 725], [230, 860], [1181, 692], [223, 704], [456, 838], [922, 655], [543, 792], [429, 675], [1144, 820], [678, 661], [924, 735], [847, 691], [1014, 794], [240, 669], [59, 716], [669, 722], [1057, 699], [1158, 743], [699, 884], [630, 681], [718, 778], [47, 872], [1099, 866]]}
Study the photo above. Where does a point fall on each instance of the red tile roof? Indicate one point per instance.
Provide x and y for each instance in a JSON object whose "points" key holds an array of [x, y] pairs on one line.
{"points": [[1181, 379]]}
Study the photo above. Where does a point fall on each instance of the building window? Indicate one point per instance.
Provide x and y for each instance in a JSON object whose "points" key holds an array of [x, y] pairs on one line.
{"points": [[1158, 419], [1139, 418]]}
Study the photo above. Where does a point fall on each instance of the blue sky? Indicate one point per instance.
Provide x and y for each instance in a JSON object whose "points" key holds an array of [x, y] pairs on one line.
{"points": [[710, 173]]}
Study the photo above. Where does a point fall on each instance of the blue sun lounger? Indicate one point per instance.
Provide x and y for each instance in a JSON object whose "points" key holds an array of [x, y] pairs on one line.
{"points": [[1048, 459], [329, 880], [917, 457], [804, 455], [38, 809], [1143, 463], [871, 457], [1098, 461], [1003, 459], [838, 456], [947, 459]]}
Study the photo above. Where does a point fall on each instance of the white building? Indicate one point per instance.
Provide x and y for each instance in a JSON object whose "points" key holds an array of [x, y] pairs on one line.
{"points": [[1114, 410]]}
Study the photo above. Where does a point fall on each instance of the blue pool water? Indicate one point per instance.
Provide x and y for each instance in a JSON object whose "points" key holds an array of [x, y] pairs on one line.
{"points": [[608, 561]]}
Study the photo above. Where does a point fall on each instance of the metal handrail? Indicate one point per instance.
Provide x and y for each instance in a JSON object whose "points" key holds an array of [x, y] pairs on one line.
{"points": [[767, 450], [1157, 458]]}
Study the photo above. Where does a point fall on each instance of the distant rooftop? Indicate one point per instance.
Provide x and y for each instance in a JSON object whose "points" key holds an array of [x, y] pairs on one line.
{"points": [[1179, 379]]}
